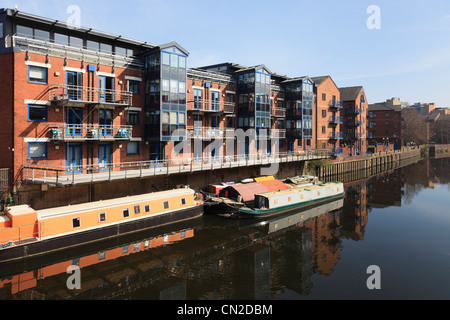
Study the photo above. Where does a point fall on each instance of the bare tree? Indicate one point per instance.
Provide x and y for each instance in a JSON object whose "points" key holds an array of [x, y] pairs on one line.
{"points": [[414, 128]]}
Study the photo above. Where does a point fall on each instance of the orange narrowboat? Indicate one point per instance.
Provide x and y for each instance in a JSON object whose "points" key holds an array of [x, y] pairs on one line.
{"points": [[25, 232]]}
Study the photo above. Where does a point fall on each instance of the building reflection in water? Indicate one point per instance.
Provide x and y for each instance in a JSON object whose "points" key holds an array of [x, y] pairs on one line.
{"points": [[216, 258]]}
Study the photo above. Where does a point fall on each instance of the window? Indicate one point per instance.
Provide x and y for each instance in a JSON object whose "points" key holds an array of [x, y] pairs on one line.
{"points": [[323, 129], [37, 74], [102, 217], [37, 150], [61, 39], [1, 30], [324, 113], [183, 201], [76, 222], [132, 117], [132, 147], [137, 209], [126, 213], [37, 113], [133, 86], [324, 96], [166, 205], [147, 208]]}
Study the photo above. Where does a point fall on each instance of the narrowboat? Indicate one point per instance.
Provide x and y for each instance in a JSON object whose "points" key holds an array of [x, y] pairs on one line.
{"points": [[25, 232], [283, 201]]}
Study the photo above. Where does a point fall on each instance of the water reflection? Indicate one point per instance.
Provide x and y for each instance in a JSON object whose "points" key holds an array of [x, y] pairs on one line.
{"points": [[215, 258]]}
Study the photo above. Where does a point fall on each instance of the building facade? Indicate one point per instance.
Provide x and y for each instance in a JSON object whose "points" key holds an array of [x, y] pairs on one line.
{"points": [[384, 127], [77, 101]]}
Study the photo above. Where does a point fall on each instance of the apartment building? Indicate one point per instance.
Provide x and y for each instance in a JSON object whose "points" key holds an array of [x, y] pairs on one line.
{"points": [[384, 129], [81, 102], [328, 131], [355, 108]]}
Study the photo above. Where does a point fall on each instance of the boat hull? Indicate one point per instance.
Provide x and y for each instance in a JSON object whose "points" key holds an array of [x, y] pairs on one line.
{"points": [[264, 213], [40, 247]]}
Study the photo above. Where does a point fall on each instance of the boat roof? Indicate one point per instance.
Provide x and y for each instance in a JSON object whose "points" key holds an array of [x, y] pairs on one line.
{"points": [[296, 189], [47, 213], [248, 190]]}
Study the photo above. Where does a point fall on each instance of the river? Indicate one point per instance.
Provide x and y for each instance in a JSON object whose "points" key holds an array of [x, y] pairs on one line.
{"points": [[388, 239]]}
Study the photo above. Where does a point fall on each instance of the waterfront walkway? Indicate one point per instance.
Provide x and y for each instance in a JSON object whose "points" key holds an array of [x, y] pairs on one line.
{"points": [[62, 176]]}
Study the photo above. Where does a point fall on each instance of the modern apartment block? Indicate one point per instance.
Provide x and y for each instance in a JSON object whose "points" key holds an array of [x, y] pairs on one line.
{"points": [[77, 101]]}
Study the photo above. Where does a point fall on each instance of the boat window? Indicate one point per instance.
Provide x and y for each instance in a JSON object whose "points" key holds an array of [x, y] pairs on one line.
{"points": [[137, 209], [76, 222], [102, 216], [147, 208], [166, 204], [126, 213], [183, 201], [289, 199]]}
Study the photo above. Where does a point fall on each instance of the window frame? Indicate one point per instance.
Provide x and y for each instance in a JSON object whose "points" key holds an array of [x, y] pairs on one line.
{"points": [[38, 82], [28, 150], [77, 219], [137, 149], [38, 106]]}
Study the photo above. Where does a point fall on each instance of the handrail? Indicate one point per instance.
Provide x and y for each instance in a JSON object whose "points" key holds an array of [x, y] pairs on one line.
{"points": [[89, 131], [186, 163], [20, 235], [86, 94]]}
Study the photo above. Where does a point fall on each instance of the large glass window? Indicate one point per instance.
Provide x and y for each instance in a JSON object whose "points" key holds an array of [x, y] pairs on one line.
{"points": [[37, 150], [37, 113], [37, 74]]}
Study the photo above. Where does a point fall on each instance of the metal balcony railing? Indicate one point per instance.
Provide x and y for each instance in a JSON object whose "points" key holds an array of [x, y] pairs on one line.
{"points": [[278, 133], [66, 93], [68, 132], [211, 106], [352, 124], [205, 133], [337, 152], [336, 104], [279, 112], [355, 111], [336, 120], [336, 135]]}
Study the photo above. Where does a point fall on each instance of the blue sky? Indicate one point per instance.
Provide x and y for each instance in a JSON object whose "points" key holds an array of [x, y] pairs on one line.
{"points": [[408, 57]]}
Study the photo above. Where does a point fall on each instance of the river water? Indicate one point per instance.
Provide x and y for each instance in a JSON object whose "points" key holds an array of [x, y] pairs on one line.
{"points": [[388, 239]]}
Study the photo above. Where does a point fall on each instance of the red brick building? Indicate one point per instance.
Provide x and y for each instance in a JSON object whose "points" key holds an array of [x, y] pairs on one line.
{"points": [[384, 127], [328, 119], [355, 108]]}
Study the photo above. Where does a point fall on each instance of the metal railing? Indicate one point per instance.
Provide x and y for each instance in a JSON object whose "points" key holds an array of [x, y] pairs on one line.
{"points": [[336, 120], [351, 123], [206, 133], [67, 132], [336, 135], [211, 106], [58, 49], [63, 93], [336, 104], [14, 235], [115, 171], [279, 112], [354, 111]]}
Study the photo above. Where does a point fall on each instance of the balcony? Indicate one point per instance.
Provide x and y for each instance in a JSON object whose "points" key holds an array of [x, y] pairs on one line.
{"points": [[336, 120], [336, 104], [79, 96], [294, 133], [353, 124], [211, 106], [279, 112], [336, 136], [337, 152], [353, 111], [278, 134], [353, 135], [92, 132], [205, 133]]}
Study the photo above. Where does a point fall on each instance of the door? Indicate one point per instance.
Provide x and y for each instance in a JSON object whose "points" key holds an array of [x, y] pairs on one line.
{"points": [[198, 126], [105, 156], [74, 82], [198, 148], [106, 89], [215, 100], [74, 158], [105, 122], [156, 154], [74, 121]]}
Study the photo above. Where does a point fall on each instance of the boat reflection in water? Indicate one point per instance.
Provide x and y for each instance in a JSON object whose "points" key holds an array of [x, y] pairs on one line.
{"points": [[149, 268]]}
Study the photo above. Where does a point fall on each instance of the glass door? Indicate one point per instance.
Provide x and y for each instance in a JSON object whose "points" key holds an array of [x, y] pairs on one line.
{"points": [[156, 154], [74, 121], [105, 122], [105, 156], [74, 158], [74, 82]]}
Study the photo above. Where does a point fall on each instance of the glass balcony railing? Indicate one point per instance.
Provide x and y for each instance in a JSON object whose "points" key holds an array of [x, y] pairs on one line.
{"points": [[68, 132]]}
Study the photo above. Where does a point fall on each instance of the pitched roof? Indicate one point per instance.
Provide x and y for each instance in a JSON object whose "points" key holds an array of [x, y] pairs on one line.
{"points": [[350, 93], [319, 80], [383, 107]]}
